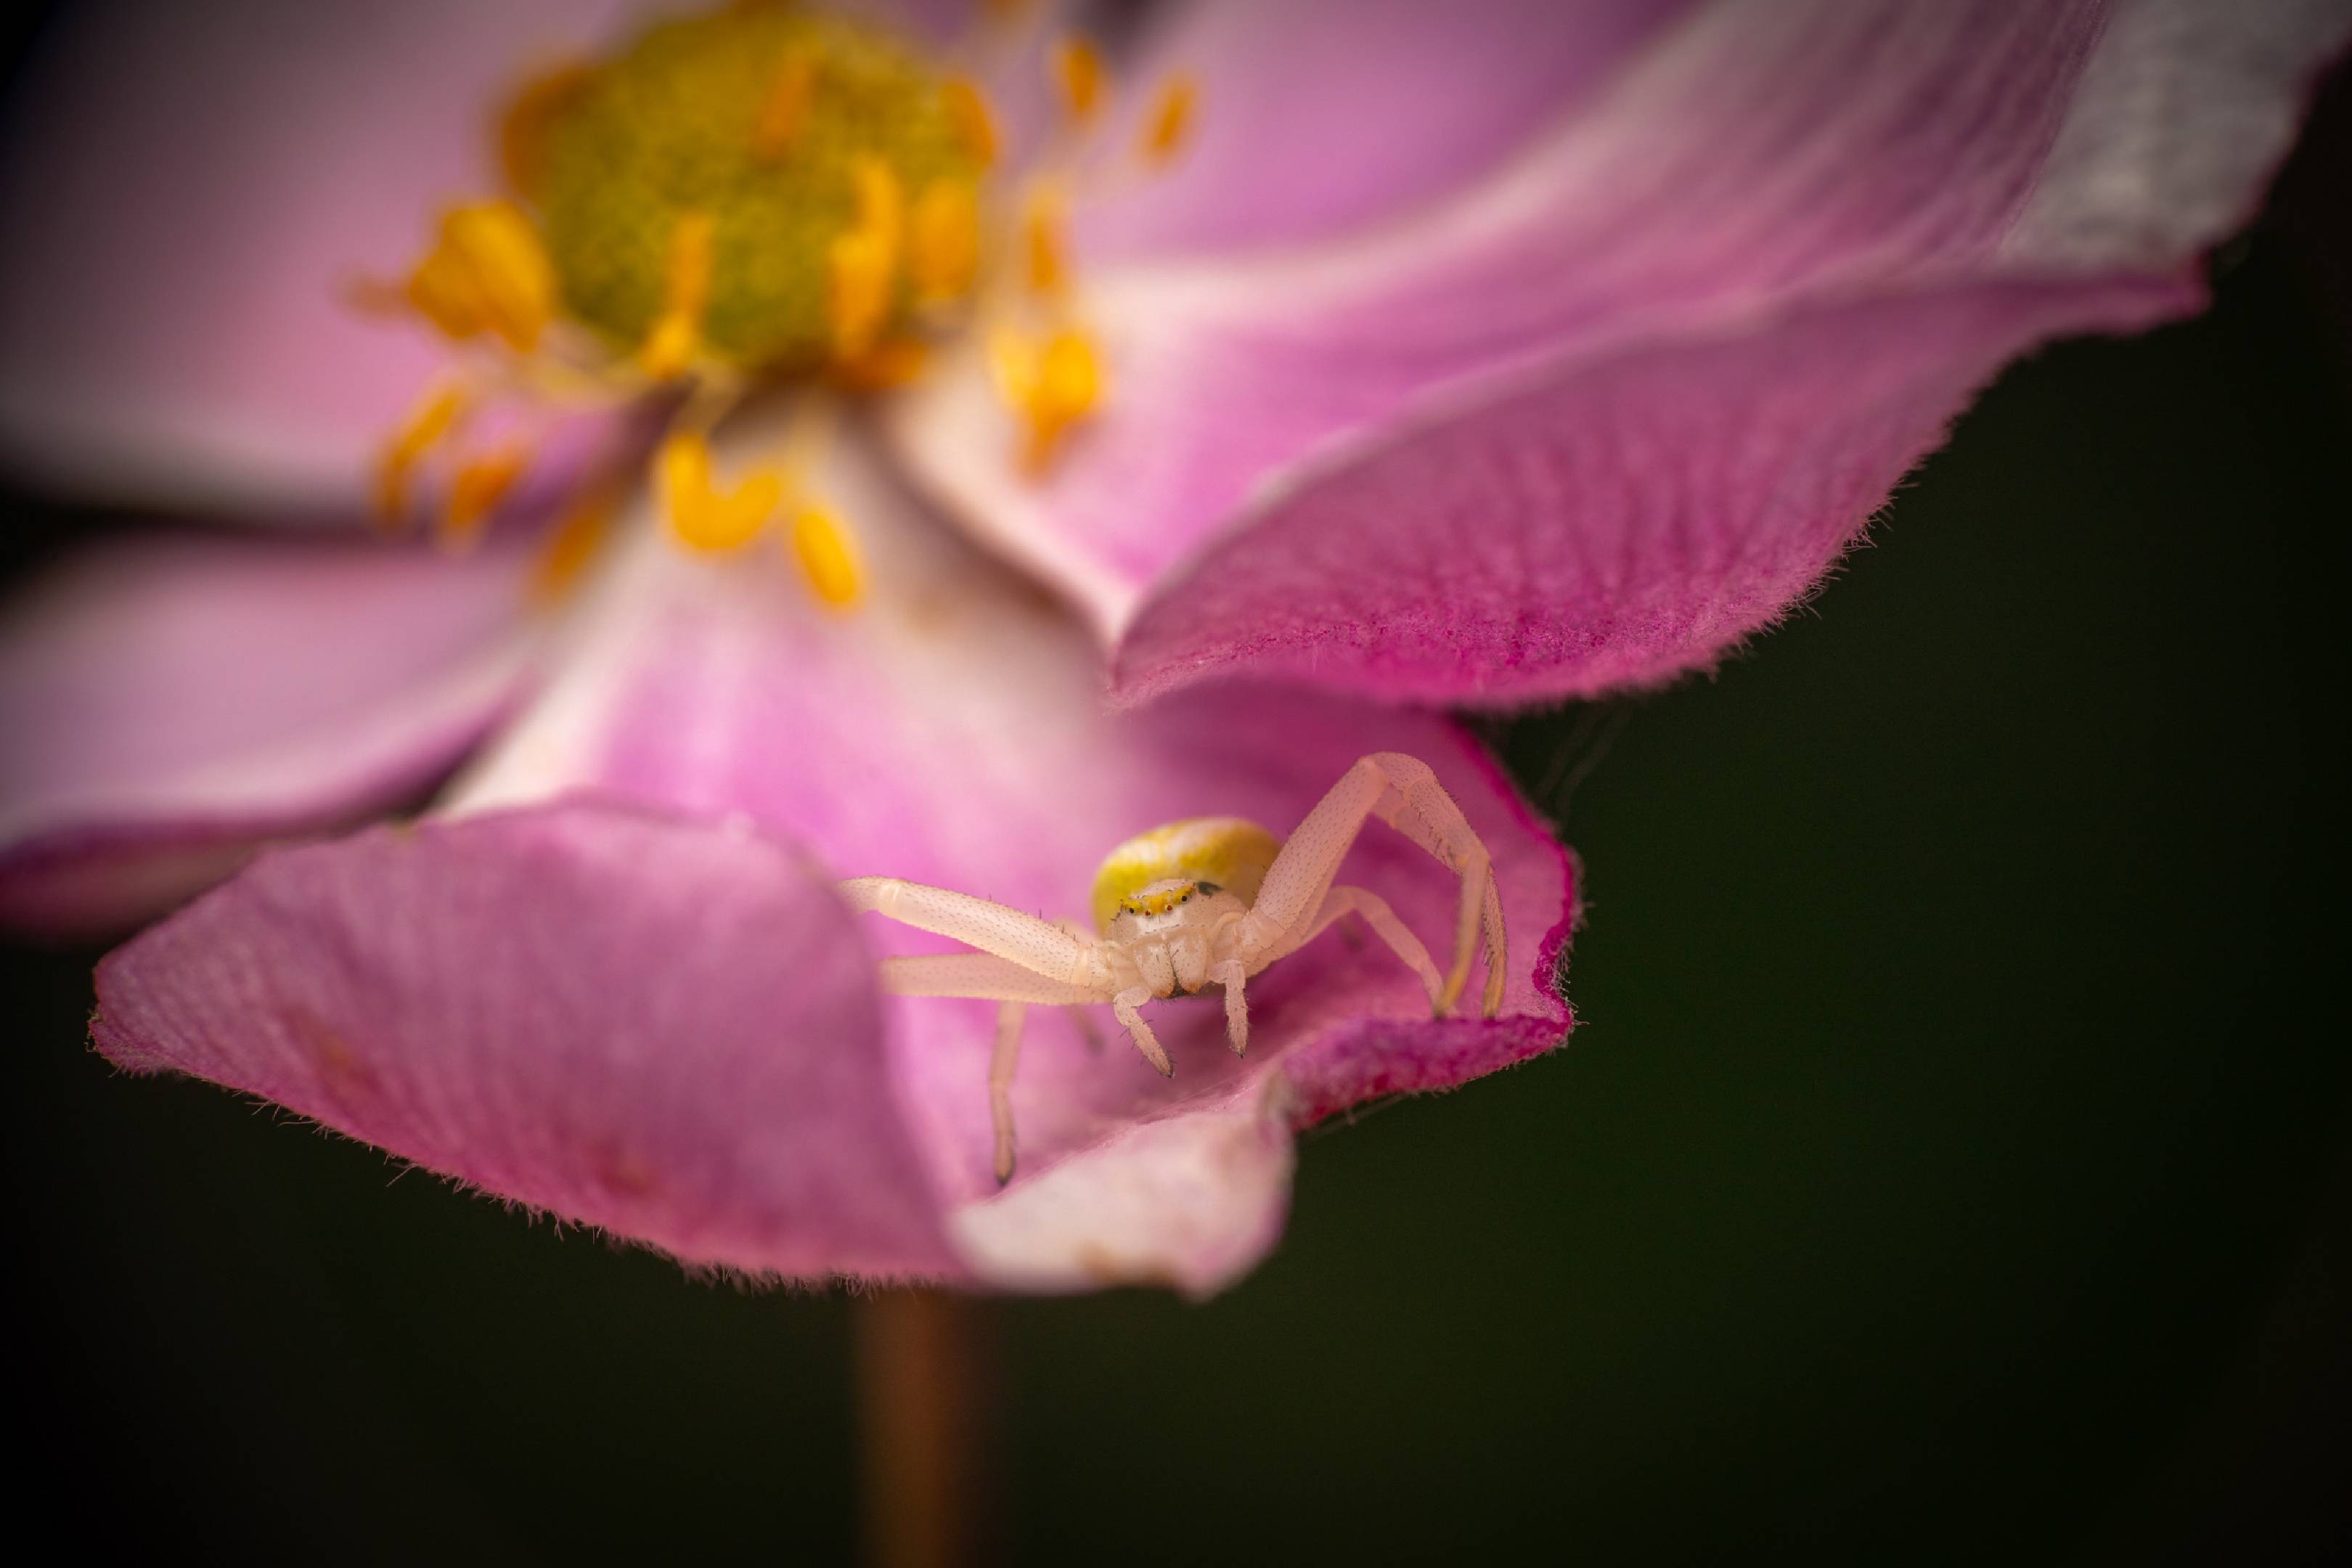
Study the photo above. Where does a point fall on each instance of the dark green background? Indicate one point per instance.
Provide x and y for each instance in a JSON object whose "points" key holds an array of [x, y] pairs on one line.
{"points": [[1954, 1159]]}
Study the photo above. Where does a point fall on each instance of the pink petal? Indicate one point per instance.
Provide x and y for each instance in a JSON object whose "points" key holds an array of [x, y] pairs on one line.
{"points": [[658, 1027], [951, 731], [1320, 115], [1750, 174], [188, 191], [1611, 523], [172, 701]]}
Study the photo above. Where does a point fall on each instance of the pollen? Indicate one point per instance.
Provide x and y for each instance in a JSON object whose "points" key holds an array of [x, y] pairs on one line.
{"points": [[669, 350], [1170, 124], [700, 515], [1078, 73], [943, 242], [1052, 384], [486, 273], [428, 423], [797, 134], [826, 557], [477, 490]]}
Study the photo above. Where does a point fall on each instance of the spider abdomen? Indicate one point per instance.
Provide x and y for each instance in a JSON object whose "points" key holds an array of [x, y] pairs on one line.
{"points": [[1209, 854]]}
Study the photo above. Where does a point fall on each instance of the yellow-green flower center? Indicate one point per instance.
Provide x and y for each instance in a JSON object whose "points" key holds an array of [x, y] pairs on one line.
{"points": [[771, 125]]}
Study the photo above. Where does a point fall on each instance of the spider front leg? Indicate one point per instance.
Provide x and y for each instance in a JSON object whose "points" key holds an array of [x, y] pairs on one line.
{"points": [[985, 977], [1402, 791], [1034, 944]]}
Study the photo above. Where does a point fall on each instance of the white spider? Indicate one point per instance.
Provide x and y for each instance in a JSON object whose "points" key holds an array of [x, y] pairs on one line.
{"points": [[1207, 901]]}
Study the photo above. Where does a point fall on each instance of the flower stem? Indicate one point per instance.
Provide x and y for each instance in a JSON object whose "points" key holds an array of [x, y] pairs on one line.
{"points": [[922, 1387]]}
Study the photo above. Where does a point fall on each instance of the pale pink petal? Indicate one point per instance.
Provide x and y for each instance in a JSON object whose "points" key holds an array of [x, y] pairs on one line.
{"points": [[1320, 115], [951, 730], [658, 1027], [187, 191], [1757, 167], [171, 701]]}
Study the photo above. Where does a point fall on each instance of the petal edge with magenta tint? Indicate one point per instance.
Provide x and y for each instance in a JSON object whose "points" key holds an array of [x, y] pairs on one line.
{"points": [[172, 701], [559, 1006]]}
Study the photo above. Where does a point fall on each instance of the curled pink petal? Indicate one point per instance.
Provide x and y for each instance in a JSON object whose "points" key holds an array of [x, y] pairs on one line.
{"points": [[188, 192], [1753, 170], [1612, 523], [882, 740], [661, 1027], [169, 703]]}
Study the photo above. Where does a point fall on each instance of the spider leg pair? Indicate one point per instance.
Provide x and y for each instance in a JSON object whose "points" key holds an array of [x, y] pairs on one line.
{"points": [[1210, 902]]}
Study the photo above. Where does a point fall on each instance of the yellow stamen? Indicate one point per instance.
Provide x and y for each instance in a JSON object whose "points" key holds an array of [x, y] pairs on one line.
{"points": [[943, 241], [522, 124], [486, 273], [785, 108], [894, 362], [698, 514], [478, 489], [1170, 124], [571, 545], [826, 556], [434, 416], [1053, 384], [1045, 226], [670, 347], [1079, 72], [974, 122], [864, 260]]}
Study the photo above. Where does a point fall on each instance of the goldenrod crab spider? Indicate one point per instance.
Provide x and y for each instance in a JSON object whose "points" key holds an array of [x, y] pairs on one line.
{"points": [[1206, 901]]}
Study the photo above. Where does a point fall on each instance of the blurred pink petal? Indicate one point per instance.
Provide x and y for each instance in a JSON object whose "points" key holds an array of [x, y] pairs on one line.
{"points": [[1320, 115], [186, 192], [951, 731], [171, 701], [1755, 169], [660, 1026]]}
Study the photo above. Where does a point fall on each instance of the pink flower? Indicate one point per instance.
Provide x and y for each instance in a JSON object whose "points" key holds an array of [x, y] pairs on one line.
{"points": [[1475, 354]]}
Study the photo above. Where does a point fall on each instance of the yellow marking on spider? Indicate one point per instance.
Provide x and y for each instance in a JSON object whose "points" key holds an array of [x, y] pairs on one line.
{"points": [[1222, 852]]}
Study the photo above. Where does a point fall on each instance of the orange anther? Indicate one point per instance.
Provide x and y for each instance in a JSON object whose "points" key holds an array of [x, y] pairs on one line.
{"points": [[943, 241], [571, 545], [530, 109], [785, 108], [826, 556], [1164, 133], [486, 273], [1045, 228], [431, 419], [1079, 72], [968, 112], [477, 490], [698, 514], [670, 348]]}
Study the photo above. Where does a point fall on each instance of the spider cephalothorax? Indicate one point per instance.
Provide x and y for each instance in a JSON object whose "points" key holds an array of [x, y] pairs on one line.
{"points": [[1209, 902]]}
